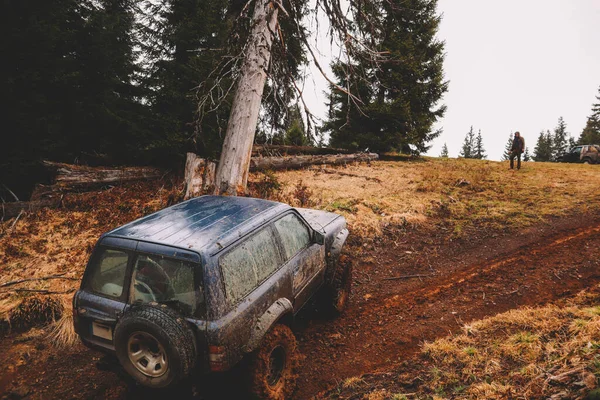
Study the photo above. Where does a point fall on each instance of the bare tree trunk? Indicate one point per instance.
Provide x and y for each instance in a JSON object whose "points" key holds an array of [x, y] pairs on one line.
{"points": [[194, 167], [232, 172]]}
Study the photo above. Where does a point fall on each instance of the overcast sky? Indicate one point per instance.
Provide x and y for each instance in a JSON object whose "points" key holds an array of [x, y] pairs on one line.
{"points": [[512, 65]]}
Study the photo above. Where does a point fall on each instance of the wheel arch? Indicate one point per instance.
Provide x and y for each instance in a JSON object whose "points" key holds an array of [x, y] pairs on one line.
{"points": [[333, 253], [281, 311]]}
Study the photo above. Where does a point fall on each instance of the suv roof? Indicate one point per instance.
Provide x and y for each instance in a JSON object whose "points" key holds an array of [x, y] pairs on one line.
{"points": [[199, 222]]}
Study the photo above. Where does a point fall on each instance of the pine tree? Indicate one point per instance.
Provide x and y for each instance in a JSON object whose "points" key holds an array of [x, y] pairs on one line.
{"points": [[508, 148], [543, 147], [560, 139], [67, 84], [479, 150], [591, 132], [401, 96], [572, 142], [295, 133], [526, 155], [468, 148], [444, 153]]}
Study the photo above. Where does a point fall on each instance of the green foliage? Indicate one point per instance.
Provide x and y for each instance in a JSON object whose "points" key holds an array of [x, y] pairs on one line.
{"points": [[479, 151], [444, 153], [473, 146], [560, 139], [468, 148], [591, 132], [399, 98], [68, 88], [182, 49], [526, 155], [508, 148], [296, 134], [543, 147]]}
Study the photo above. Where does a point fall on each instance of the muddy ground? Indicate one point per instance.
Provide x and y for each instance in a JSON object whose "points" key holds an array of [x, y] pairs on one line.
{"points": [[453, 282]]}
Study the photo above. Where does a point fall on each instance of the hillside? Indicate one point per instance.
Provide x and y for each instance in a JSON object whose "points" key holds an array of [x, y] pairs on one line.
{"points": [[437, 243]]}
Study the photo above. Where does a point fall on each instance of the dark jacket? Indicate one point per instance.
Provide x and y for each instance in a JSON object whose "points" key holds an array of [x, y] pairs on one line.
{"points": [[518, 145]]}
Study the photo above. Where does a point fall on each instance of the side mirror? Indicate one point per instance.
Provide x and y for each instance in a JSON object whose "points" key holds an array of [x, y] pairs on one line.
{"points": [[318, 237]]}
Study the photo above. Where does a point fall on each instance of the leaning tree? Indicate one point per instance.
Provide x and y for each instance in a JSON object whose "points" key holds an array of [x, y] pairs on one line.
{"points": [[264, 29]]}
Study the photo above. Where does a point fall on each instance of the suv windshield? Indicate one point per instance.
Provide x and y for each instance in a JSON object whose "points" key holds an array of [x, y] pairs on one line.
{"points": [[165, 280]]}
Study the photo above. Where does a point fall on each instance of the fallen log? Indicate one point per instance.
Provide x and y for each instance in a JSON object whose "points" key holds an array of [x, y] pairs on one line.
{"points": [[200, 176], [297, 162], [78, 176], [11, 210], [272, 150]]}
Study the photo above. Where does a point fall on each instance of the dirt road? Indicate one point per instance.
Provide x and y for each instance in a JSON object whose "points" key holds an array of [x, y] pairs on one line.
{"points": [[452, 283]]}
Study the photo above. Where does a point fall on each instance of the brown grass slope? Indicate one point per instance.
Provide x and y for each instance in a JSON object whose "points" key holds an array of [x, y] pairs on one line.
{"points": [[456, 195], [548, 352]]}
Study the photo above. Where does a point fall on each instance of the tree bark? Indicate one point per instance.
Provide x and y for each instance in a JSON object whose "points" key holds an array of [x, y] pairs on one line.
{"points": [[199, 173], [73, 177], [297, 162], [270, 150], [194, 169], [11, 210], [232, 172]]}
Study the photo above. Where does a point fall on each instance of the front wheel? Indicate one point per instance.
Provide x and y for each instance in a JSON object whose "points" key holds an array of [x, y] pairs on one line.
{"points": [[338, 295], [272, 366]]}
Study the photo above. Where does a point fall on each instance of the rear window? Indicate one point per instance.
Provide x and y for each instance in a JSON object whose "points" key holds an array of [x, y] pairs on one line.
{"points": [[249, 264], [108, 270], [166, 281]]}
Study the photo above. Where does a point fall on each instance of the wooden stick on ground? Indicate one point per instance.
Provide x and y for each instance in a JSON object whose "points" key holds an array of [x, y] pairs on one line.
{"points": [[43, 291], [335, 172], [395, 278], [44, 278]]}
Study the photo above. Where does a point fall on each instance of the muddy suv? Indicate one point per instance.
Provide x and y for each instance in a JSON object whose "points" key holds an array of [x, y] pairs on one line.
{"points": [[206, 282], [587, 154]]}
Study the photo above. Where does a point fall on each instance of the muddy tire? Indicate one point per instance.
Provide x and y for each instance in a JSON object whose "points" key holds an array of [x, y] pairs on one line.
{"points": [[272, 367], [338, 295], [155, 345]]}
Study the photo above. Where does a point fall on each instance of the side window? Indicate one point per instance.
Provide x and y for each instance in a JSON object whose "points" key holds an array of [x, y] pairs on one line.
{"points": [[165, 280], [108, 272], [294, 234], [249, 264]]}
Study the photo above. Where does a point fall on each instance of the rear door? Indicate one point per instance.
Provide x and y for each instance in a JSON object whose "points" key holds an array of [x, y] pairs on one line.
{"points": [[306, 258], [103, 295]]}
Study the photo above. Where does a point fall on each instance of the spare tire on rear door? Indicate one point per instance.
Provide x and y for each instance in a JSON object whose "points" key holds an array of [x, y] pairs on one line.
{"points": [[155, 345]]}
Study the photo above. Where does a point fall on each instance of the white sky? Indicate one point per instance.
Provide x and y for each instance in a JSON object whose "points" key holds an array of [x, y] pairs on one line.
{"points": [[512, 65]]}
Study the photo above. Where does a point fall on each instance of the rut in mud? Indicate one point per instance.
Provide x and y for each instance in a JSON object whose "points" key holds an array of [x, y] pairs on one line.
{"points": [[389, 316]]}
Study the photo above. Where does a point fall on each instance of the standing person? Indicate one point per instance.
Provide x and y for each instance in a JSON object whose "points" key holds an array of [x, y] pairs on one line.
{"points": [[518, 146]]}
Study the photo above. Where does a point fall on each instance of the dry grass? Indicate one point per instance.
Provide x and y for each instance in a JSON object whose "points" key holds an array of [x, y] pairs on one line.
{"points": [[461, 192], [458, 194], [530, 352], [34, 310], [62, 333], [51, 242]]}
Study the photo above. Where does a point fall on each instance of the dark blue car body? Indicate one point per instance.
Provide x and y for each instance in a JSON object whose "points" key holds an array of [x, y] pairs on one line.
{"points": [[200, 231]]}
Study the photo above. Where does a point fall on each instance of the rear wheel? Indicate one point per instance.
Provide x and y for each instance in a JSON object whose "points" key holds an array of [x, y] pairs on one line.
{"points": [[272, 367], [155, 345]]}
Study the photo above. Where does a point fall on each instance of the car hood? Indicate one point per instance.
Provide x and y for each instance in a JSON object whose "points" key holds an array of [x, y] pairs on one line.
{"points": [[319, 220]]}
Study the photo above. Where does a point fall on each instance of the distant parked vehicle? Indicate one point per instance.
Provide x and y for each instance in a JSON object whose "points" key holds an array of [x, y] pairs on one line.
{"points": [[586, 154]]}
